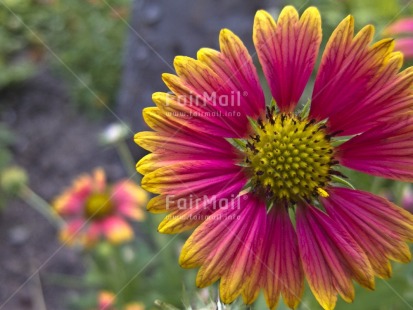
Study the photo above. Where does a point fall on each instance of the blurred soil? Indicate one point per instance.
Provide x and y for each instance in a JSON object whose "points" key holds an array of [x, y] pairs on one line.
{"points": [[54, 143]]}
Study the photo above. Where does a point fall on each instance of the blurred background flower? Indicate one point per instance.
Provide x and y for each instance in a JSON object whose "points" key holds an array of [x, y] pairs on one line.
{"points": [[94, 209], [407, 198], [107, 301], [402, 30]]}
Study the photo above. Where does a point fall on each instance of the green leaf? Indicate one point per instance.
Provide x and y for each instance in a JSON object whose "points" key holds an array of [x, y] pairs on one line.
{"points": [[340, 180], [306, 109], [237, 143]]}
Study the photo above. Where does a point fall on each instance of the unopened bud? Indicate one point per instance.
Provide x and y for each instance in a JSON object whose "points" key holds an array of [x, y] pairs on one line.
{"points": [[12, 179], [114, 133]]}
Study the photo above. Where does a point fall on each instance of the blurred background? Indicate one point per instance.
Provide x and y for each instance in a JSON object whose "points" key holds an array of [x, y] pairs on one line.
{"points": [[74, 77]]}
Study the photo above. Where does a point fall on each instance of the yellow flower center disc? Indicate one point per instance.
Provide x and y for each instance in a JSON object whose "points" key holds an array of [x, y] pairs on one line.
{"points": [[98, 205], [289, 158]]}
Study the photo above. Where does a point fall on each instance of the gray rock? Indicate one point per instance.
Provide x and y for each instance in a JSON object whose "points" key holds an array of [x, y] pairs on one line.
{"points": [[18, 235], [162, 29]]}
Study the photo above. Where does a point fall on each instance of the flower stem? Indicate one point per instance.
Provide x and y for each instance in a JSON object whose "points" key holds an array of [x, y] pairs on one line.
{"points": [[127, 159], [399, 188], [41, 206], [376, 185]]}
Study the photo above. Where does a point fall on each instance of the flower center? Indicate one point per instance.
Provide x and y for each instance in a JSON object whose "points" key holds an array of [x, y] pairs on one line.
{"points": [[98, 205], [289, 158]]}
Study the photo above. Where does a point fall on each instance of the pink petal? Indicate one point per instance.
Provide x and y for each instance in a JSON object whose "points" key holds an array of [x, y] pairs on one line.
{"points": [[174, 145], [405, 45], [390, 94], [378, 226], [207, 101], [172, 137], [73, 232], [99, 180], [385, 150], [242, 274], [235, 66], [132, 210], [106, 300], [369, 74], [287, 52], [163, 143], [71, 202], [226, 246], [281, 271], [93, 232], [181, 179], [129, 199], [404, 25], [116, 229], [229, 186], [330, 257], [215, 114], [189, 211], [128, 192]]}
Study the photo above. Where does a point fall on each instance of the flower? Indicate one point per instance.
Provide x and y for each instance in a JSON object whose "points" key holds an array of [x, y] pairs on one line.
{"points": [[13, 179], [94, 209], [407, 198], [403, 30], [106, 301], [114, 133], [261, 183]]}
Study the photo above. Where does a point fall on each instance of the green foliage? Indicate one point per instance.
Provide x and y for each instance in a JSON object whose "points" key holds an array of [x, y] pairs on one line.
{"points": [[6, 138], [19, 49], [145, 271], [13, 180], [82, 39], [87, 39], [135, 272], [394, 293]]}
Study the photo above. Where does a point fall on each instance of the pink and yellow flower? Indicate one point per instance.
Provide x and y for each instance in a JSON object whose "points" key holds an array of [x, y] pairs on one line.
{"points": [[403, 31], [107, 301], [261, 183], [93, 209], [407, 199]]}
